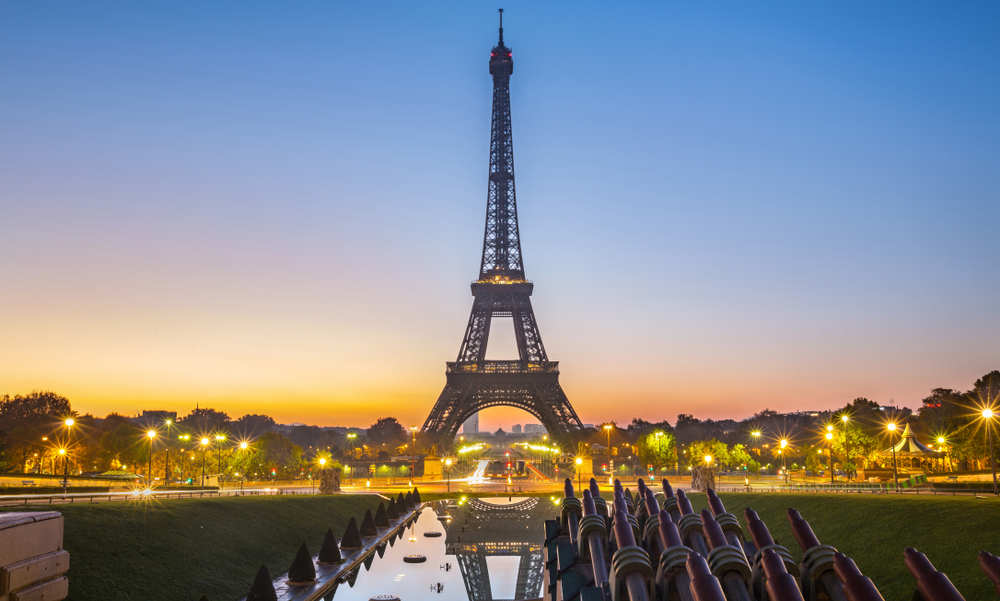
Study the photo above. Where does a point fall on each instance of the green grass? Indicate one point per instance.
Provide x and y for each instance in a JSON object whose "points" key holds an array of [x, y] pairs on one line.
{"points": [[874, 529], [180, 549]]}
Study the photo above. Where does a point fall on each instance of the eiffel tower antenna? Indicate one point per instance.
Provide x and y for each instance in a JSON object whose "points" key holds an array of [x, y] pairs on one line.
{"points": [[531, 382]]}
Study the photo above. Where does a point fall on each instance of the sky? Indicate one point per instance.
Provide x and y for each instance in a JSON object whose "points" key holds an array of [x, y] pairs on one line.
{"points": [[278, 208]]}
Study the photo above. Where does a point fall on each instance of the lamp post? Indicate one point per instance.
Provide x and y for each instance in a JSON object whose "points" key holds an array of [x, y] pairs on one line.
{"points": [[784, 466], [62, 452], [184, 437], [166, 465], [895, 475], [579, 472], [218, 455], [447, 467], [204, 448], [150, 434], [941, 441], [351, 436], [322, 465], [69, 429], [243, 448], [607, 429], [829, 448], [756, 444], [708, 468], [988, 416], [413, 454], [847, 445]]}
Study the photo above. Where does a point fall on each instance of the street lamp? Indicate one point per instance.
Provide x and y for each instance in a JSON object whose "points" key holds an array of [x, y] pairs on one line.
{"points": [[204, 448], [829, 448], [351, 436], [150, 434], [784, 466], [69, 427], [62, 452], [579, 472], [607, 429], [988, 417], [218, 455], [895, 474], [447, 465], [166, 465], [243, 448]]}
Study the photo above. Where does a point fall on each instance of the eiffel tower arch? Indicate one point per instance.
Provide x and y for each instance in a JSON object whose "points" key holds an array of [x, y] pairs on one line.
{"points": [[531, 382]]}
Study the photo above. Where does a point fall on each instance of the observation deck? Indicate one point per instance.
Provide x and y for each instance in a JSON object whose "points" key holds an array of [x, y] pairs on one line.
{"points": [[503, 367]]}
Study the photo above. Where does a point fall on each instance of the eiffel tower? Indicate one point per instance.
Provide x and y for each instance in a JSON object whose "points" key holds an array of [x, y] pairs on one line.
{"points": [[530, 383]]}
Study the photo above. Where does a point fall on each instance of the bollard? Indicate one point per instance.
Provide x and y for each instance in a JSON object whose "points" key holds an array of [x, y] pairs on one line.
{"points": [[670, 501], [631, 571], [571, 511], [671, 574], [329, 552], [931, 584], [781, 586], [730, 525], [599, 502], [857, 586], [593, 530], [651, 530], [302, 570], [990, 565], [352, 536], [817, 562], [704, 586], [761, 540], [690, 525], [728, 563], [262, 589]]}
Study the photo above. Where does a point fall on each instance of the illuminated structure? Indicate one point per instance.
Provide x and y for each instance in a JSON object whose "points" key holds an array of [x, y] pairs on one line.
{"points": [[530, 383]]}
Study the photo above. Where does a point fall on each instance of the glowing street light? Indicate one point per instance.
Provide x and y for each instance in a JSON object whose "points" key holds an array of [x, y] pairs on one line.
{"points": [[895, 474], [579, 472], [784, 467], [243, 449], [150, 434], [204, 448], [62, 452], [351, 436], [829, 447], [988, 418], [69, 421]]}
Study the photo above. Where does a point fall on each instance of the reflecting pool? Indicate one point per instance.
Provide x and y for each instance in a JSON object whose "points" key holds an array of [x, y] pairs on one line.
{"points": [[486, 549]]}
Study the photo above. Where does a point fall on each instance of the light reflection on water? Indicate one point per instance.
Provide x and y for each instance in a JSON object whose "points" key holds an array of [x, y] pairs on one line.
{"points": [[491, 549]]}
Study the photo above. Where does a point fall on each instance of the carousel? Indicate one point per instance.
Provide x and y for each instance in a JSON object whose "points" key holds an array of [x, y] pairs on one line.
{"points": [[912, 455]]}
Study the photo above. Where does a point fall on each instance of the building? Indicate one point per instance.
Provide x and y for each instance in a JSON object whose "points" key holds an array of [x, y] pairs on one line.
{"points": [[515, 429], [471, 425], [534, 429]]}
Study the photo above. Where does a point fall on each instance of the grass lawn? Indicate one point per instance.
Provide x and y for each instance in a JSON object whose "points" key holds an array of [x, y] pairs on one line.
{"points": [[874, 529], [180, 549]]}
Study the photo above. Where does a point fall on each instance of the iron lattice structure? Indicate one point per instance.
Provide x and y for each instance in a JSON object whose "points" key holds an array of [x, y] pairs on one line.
{"points": [[530, 383]]}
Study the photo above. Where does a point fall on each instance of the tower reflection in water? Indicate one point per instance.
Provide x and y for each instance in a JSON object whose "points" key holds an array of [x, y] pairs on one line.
{"points": [[491, 548]]}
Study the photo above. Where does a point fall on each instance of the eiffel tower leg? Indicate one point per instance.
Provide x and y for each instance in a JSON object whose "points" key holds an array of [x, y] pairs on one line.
{"points": [[477, 333], [529, 340]]}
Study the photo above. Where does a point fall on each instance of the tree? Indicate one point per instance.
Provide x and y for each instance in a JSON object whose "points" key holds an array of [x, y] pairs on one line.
{"points": [[251, 425], [699, 449], [739, 457], [658, 451], [26, 420], [205, 421], [388, 431], [272, 451]]}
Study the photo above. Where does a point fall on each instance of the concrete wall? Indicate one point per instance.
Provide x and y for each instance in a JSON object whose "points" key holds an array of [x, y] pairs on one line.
{"points": [[32, 560]]}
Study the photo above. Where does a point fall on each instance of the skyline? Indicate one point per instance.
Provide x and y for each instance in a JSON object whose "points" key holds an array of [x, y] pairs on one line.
{"points": [[280, 212]]}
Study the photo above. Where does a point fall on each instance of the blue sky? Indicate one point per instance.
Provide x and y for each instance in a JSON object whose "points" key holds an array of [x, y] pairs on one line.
{"points": [[279, 207]]}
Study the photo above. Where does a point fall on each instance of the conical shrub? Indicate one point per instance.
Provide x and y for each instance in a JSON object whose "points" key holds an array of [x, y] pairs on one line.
{"points": [[381, 517], [416, 495], [391, 511], [368, 525], [353, 577], [380, 550], [401, 504], [409, 500], [352, 536], [369, 560], [262, 589], [330, 551], [302, 571]]}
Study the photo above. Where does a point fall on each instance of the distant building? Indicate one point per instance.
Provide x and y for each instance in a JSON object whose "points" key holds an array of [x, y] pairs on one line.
{"points": [[515, 429], [534, 429], [471, 425]]}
